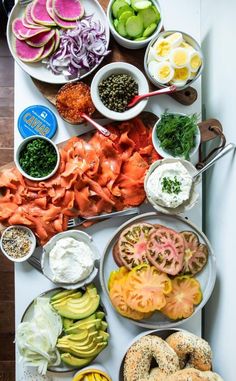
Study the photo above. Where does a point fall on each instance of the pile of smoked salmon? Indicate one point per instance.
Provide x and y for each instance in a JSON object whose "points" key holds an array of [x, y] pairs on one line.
{"points": [[94, 177]]}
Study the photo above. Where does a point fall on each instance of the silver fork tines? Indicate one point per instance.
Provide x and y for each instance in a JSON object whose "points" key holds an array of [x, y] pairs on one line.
{"points": [[80, 220]]}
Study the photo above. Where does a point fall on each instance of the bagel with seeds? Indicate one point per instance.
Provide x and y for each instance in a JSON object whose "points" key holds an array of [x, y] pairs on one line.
{"points": [[193, 351], [191, 374]]}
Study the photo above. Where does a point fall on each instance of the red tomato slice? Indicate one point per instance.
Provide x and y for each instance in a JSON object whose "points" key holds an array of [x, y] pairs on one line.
{"points": [[195, 254]]}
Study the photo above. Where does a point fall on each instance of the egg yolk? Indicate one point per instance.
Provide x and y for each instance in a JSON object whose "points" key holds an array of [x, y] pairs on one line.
{"points": [[180, 57], [164, 72], [195, 62], [181, 74], [163, 48]]}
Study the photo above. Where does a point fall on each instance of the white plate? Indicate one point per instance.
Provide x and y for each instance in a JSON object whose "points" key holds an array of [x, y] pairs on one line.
{"points": [[39, 71], [206, 277]]}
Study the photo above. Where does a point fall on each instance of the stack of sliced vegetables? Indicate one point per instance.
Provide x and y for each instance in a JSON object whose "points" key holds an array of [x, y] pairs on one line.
{"points": [[135, 20], [37, 32]]}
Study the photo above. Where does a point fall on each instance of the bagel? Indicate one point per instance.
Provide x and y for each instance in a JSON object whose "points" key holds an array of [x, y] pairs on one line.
{"points": [[193, 352], [139, 357], [192, 374]]}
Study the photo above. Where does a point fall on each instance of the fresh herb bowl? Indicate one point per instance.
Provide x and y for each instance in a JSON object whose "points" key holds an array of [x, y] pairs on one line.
{"points": [[31, 238], [132, 44], [21, 147], [166, 154], [187, 38], [119, 68]]}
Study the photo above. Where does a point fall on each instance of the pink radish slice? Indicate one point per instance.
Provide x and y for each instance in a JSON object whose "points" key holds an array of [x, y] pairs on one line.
{"points": [[68, 10], [27, 25], [27, 53], [40, 14], [41, 39], [19, 29], [48, 48], [64, 24], [57, 39], [27, 15], [50, 8]]}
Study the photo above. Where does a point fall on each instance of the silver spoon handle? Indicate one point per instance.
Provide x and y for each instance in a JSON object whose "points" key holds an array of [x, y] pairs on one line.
{"points": [[222, 153]]}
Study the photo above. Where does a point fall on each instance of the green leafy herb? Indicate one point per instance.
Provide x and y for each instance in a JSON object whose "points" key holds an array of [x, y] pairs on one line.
{"points": [[177, 133], [171, 186], [38, 158]]}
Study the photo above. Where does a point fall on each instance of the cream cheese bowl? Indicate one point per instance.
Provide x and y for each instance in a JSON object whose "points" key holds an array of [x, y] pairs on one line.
{"points": [[81, 237], [194, 195], [187, 38]]}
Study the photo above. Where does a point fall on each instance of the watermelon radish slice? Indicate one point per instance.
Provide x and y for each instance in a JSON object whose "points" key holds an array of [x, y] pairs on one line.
{"points": [[20, 30], [68, 10], [40, 14], [48, 48], [40, 39], [27, 53], [28, 25], [63, 23], [49, 7], [57, 39], [27, 15]]}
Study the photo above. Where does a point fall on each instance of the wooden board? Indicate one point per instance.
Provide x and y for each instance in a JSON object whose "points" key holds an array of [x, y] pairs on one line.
{"points": [[118, 53]]}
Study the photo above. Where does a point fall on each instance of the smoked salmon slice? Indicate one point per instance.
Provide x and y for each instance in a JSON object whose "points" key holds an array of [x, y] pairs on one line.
{"points": [[95, 176]]}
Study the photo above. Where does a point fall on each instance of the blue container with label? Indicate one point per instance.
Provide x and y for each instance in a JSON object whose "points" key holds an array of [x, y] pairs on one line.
{"points": [[37, 120]]}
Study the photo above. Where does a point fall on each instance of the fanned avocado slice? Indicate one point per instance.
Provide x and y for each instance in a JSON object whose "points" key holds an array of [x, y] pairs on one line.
{"points": [[70, 360]]}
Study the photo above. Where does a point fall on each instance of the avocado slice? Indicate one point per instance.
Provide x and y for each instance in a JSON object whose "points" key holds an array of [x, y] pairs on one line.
{"points": [[88, 353], [78, 309], [103, 326], [84, 325], [70, 360], [67, 323], [104, 335], [76, 295], [77, 346], [61, 295], [100, 315]]}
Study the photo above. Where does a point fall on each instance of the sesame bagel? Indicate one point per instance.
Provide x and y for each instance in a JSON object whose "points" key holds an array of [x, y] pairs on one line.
{"points": [[193, 352], [139, 357], [192, 374]]}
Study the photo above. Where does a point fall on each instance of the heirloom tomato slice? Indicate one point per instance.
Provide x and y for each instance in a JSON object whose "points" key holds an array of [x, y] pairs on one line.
{"points": [[146, 288], [116, 254], [117, 298], [117, 275], [186, 293], [165, 250], [133, 244], [195, 254]]}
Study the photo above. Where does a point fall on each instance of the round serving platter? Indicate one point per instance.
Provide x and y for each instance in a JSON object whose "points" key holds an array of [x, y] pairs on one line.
{"points": [[206, 277], [38, 70]]}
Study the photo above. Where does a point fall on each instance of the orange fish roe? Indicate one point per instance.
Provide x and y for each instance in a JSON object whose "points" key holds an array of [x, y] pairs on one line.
{"points": [[74, 99]]}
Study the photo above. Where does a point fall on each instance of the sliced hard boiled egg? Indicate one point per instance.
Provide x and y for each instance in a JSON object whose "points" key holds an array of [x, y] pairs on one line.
{"points": [[161, 71], [185, 45], [179, 57], [175, 39], [162, 49], [181, 76], [192, 75], [195, 61], [151, 55]]}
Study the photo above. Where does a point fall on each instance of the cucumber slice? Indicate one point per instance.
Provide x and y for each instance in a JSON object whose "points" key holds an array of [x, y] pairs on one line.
{"points": [[158, 16], [115, 23], [149, 16], [125, 15], [140, 38], [134, 26], [142, 4], [149, 30], [125, 8], [121, 28], [117, 5]]}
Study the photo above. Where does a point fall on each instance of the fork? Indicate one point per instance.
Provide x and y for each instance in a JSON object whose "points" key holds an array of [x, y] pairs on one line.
{"points": [[80, 220]]}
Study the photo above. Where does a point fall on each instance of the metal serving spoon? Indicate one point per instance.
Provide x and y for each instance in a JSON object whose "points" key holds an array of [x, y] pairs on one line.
{"points": [[138, 98], [223, 152]]}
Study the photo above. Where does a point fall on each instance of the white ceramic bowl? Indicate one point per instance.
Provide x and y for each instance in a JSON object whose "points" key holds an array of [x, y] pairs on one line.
{"points": [[90, 368], [131, 44], [17, 156], [191, 41], [32, 239], [165, 154], [79, 236], [194, 196], [119, 68]]}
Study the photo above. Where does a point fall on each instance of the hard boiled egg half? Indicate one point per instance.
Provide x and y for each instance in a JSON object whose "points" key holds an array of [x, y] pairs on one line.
{"points": [[163, 72]]}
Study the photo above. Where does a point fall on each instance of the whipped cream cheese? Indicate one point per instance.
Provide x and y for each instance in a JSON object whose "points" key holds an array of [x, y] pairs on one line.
{"points": [[169, 185], [71, 260]]}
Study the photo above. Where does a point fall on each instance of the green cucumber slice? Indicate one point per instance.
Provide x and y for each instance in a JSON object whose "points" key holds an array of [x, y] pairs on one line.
{"points": [[148, 15], [149, 30], [158, 16], [116, 6], [121, 28], [125, 8], [125, 15], [142, 4], [140, 38], [115, 23], [134, 26]]}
